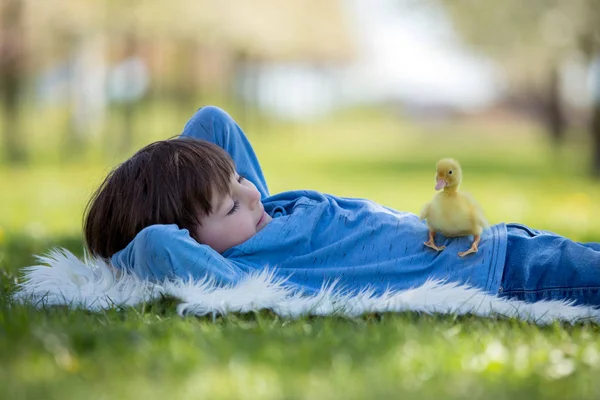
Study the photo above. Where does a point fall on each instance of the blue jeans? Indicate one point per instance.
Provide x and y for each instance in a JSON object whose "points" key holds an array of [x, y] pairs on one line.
{"points": [[542, 265]]}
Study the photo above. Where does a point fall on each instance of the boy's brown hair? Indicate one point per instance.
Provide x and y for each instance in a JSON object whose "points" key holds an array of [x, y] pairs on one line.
{"points": [[167, 182]]}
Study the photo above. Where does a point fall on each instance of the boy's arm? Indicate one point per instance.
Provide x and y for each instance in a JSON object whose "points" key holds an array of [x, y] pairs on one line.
{"points": [[215, 125], [161, 252]]}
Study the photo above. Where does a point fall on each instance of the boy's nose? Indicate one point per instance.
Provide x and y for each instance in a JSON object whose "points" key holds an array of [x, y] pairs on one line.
{"points": [[253, 197]]}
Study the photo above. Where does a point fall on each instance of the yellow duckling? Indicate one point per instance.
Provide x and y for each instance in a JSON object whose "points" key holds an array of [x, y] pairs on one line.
{"points": [[452, 212]]}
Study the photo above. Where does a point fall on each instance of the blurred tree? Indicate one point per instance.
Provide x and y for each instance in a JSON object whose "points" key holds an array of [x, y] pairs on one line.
{"points": [[530, 40], [311, 32], [65, 38], [12, 54], [553, 108], [129, 82], [189, 47]]}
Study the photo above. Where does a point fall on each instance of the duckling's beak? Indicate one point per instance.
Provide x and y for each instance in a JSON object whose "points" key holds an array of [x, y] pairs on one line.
{"points": [[440, 184]]}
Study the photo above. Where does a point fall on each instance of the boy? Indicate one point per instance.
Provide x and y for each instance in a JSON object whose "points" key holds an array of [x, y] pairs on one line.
{"points": [[198, 207]]}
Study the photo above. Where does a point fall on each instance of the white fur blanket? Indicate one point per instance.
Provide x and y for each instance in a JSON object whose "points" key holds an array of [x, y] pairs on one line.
{"points": [[64, 279]]}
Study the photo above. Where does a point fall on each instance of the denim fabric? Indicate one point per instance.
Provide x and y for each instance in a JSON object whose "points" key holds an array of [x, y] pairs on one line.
{"points": [[314, 239], [317, 238], [542, 265], [165, 252]]}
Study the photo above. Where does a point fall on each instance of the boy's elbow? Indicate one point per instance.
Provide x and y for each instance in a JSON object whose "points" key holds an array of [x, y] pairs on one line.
{"points": [[209, 123], [211, 112]]}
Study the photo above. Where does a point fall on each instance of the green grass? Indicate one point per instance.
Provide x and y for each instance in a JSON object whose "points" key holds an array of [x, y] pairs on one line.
{"points": [[153, 354], [150, 352]]}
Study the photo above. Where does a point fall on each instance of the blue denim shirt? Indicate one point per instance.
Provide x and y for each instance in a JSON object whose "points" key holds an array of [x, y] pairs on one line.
{"points": [[316, 239]]}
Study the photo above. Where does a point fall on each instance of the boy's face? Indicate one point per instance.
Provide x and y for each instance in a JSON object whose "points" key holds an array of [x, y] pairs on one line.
{"points": [[234, 218]]}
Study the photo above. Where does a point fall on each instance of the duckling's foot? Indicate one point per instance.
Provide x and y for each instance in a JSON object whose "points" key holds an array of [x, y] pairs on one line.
{"points": [[432, 245], [431, 242], [474, 247]]}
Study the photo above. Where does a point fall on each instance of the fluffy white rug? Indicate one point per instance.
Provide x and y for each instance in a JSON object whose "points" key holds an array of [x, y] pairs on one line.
{"points": [[64, 279]]}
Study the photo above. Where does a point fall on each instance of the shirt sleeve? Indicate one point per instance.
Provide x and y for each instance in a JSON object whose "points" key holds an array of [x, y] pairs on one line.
{"points": [[161, 252], [216, 126]]}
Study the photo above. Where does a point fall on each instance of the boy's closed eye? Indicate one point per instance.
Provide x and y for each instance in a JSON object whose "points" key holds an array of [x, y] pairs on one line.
{"points": [[236, 203]]}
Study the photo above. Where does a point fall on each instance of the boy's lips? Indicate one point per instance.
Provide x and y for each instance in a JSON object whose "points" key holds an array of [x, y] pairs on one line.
{"points": [[262, 218]]}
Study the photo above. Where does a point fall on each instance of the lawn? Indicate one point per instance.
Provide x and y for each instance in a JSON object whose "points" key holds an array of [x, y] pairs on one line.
{"points": [[150, 352]]}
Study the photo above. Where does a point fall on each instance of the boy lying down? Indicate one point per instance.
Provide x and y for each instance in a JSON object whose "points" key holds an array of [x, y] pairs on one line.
{"points": [[198, 206]]}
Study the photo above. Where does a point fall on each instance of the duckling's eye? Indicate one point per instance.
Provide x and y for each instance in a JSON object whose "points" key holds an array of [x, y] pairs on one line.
{"points": [[450, 172]]}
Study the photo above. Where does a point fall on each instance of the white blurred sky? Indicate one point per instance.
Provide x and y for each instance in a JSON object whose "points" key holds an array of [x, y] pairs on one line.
{"points": [[405, 52], [411, 52]]}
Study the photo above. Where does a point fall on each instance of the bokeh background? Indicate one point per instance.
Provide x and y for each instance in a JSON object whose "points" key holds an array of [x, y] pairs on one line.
{"points": [[356, 98], [352, 97]]}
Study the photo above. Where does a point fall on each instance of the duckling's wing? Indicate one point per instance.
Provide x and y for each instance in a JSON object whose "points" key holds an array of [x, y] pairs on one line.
{"points": [[480, 217], [425, 211], [477, 211]]}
